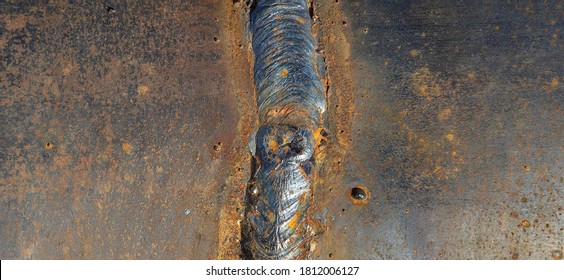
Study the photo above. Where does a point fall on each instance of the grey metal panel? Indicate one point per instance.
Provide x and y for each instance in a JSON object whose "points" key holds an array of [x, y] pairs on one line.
{"points": [[455, 128]]}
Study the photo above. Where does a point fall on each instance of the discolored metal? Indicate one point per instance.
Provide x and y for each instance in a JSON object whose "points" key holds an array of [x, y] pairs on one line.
{"points": [[288, 77], [449, 113], [124, 130], [120, 129]]}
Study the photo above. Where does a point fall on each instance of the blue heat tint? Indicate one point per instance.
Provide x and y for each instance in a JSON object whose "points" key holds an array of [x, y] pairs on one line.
{"points": [[291, 102], [286, 76]]}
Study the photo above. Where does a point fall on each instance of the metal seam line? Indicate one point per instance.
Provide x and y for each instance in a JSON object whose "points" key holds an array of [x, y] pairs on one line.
{"points": [[291, 102]]}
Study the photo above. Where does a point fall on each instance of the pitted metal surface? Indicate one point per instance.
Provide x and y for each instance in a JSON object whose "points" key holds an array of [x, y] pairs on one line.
{"points": [[456, 130], [119, 129], [124, 130]]}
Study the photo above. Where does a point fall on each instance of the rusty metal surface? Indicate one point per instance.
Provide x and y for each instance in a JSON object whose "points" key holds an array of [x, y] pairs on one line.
{"points": [[124, 130], [450, 116], [119, 129]]}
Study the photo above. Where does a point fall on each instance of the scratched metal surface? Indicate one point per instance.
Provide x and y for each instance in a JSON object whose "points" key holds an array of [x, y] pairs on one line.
{"points": [[119, 129], [455, 127]]}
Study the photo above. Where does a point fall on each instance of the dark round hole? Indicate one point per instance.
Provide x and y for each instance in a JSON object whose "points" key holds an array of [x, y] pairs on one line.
{"points": [[49, 145], [358, 193]]}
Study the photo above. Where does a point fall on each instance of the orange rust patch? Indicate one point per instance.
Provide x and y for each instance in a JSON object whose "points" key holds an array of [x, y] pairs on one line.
{"points": [[142, 89], [340, 94], [62, 160], [293, 223], [66, 71], [159, 169], [273, 145], [16, 23], [444, 114], [49, 145], [414, 53], [424, 83], [317, 134], [320, 136], [126, 147], [271, 216], [556, 254], [553, 83], [239, 61]]}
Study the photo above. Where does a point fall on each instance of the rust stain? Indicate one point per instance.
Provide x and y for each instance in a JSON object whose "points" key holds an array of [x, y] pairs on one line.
{"points": [[15, 22], [83, 165], [444, 114], [143, 89], [238, 60], [335, 46], [127, 148], [425, 83], [556, 254], [49, 145], [414, 53], [554, 82]]}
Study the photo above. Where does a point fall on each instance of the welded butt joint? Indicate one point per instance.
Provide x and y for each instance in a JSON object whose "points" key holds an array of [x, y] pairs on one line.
{"points": [[291, 102]]}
